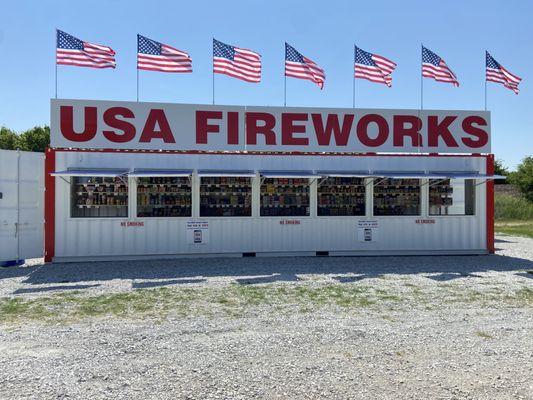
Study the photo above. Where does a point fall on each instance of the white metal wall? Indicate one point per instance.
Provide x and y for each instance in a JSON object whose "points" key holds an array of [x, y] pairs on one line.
{"points": [[21, 205], [77, 237]]}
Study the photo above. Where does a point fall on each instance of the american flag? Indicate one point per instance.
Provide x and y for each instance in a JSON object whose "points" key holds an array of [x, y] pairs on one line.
{"points": [[496, 73], [236, 62], [434, 67], [298, 66], [373, 67], [155, 56], [73, 51]]}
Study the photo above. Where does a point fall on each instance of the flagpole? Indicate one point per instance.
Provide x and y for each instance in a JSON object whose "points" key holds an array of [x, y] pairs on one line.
{"points": [[213, 73], [485, 80], [285, 92], [56, 62], [137, 68], [421, 78], [285, 77], [353, 86]]}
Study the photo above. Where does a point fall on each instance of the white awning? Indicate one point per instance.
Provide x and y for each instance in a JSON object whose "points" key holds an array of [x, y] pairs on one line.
{"points": [[91, 172], [409, 175], [138, 173], [435, 175], [470, 175], [225, 172], [345, 174], [288, 174]]}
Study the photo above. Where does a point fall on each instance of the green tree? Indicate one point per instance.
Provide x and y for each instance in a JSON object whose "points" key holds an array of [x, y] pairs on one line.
{"points": [[500, 169], [523, 178], [8, 139], [35, 139]]}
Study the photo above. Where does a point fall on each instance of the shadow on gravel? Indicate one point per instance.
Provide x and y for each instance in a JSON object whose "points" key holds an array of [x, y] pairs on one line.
{"points": [[503, 241], [54, 288], [525, 274], [449, 276], [152, 284], [254, 270], [267, 279]]}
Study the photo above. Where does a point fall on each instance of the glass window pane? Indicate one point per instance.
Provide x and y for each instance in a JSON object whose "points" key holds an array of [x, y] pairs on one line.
{"points": [[341, 196], [451, 196], [164, 197], [98, 197], [396, 197], [285, 197], [225, 197]]}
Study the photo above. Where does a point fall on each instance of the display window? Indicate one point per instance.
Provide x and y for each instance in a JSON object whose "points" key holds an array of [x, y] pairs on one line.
{"points": [[164, 197], [396, 196], [452, 196], [287, 197], [341, 196], [225, 196], [99, 197]]}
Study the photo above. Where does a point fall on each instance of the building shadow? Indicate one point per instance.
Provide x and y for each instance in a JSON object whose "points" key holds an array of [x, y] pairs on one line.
{"points": [[264, 270], [53, 288], [153, 284]]}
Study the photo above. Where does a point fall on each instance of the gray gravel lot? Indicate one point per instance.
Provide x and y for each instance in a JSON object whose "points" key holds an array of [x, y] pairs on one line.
{"points": [[428, 328]]}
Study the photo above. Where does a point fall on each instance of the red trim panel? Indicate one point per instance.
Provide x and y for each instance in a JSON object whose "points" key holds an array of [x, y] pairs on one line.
{"points": [[49, 204], [490, 205]]}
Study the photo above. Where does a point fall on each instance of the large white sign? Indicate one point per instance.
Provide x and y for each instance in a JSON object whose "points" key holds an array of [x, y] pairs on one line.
{"points": [[191, 127]]}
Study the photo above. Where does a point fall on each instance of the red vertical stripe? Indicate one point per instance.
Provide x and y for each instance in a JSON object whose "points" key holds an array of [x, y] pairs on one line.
{"points": [[490, 204], [49, 204]]}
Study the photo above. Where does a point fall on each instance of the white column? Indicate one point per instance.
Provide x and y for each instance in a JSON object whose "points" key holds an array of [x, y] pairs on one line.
{"points": [[369, 197], [256, 195], [424, 198], [313, 197], [195, 188]]}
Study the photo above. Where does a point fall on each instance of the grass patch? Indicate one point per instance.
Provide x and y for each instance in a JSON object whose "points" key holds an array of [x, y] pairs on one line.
{"points": [[514, 228], [234, 300], [508, 207]]}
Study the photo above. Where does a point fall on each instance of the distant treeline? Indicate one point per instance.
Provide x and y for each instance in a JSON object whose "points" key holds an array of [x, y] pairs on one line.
{"points": [[34, 139]]}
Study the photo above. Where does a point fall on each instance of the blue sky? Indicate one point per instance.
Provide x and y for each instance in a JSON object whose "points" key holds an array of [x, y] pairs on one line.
{"points": [[459, 31]]}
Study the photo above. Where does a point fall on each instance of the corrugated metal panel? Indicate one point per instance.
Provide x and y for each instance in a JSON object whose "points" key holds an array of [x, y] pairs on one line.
{"points": [[162, 236]]}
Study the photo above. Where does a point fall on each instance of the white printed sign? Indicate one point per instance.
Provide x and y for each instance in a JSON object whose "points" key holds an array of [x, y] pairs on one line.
{"points": [[94, 124], [367, 230], [197, 232]]}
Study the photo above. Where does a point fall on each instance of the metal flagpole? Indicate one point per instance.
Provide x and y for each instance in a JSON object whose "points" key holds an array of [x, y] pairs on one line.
{"points": [[285, 77], [421, 78], [137, 68], [485, 80], [56, 61], [353, 86], [285, 92], [213, 73]]}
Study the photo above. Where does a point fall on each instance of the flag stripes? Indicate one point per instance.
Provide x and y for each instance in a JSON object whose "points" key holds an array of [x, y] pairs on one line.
{"points": [[496, 73], [73, 51], [238, 63], [155, 56], [434, 67], [373, 67], [301, 67]]}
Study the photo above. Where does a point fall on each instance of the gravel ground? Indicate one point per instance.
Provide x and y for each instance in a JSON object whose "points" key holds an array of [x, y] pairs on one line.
{"points": [[442, 328]]}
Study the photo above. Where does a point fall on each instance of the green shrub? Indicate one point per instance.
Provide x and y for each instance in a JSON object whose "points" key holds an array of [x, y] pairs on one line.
{"points": [[523, 178], [507, 207]]}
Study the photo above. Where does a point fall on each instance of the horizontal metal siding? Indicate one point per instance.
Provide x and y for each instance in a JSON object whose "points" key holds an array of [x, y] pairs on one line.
{"points": [[106, 237]]}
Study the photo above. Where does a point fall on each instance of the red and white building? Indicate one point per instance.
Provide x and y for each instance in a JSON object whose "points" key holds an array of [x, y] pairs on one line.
{"points": [[130, 180]]}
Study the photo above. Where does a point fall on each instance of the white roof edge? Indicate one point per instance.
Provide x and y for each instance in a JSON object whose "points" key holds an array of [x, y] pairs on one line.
{"points": [[226, 172], [98, 172]]}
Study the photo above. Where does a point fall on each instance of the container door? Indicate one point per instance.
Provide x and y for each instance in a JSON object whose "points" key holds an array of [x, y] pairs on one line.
{"points": [[21, 205]]}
